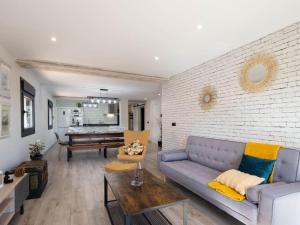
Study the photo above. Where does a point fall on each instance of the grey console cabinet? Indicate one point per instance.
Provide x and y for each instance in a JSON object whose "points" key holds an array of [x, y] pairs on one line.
{"points": [[21, 194], [12, 197]]}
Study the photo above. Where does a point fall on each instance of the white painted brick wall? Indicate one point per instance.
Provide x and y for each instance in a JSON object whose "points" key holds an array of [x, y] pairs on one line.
{"points": [[271, 116]]}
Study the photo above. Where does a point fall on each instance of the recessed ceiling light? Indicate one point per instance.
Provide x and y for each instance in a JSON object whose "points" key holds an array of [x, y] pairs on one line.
{"points": [[158, 94], [199, 27], [145, 98], [156, 58], [53, 39]]}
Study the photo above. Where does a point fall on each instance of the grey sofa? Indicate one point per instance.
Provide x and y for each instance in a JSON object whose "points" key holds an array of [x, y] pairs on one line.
{"points": [[204, 159]]}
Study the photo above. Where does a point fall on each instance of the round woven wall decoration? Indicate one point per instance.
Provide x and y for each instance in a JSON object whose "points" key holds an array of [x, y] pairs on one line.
{"points": [[208, 98], [258, 72]]}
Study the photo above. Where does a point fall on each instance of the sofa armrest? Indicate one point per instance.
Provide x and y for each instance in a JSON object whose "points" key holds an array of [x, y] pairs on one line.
{"points": [[279, 205], [174, 155], [253, 193]]}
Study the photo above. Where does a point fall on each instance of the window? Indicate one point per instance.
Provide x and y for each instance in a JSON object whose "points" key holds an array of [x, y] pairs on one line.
{"points": [[50, 115], [27, 109]]}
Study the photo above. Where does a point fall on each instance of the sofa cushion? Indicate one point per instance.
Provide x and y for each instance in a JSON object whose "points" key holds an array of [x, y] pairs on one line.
{"points": [[257, 167], [186, 168], [238, 180], [216, 154], [195, 177], [253, 193]]}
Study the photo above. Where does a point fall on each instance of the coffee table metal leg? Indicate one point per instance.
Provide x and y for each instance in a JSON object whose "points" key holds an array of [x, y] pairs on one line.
{"points": [[185, 213], [127, 220]]}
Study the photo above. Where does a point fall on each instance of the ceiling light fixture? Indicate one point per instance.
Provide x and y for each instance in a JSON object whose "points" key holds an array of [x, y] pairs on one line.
{"points": [[199, 27], [156, 58], [53, 39], [94, 101]]}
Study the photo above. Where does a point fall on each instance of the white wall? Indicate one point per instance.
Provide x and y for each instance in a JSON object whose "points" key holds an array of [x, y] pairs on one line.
{"points": [[272, 115], [94, 115], [152, 114], [90, 115], [124, 113], [14, 149]]}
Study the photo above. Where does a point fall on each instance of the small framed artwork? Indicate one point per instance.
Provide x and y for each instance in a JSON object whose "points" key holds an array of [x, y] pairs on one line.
{"points": [[4, 120], [4, 79]]}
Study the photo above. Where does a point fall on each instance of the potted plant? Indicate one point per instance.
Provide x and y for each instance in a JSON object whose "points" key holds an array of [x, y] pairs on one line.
{"points": [[36, 149]]}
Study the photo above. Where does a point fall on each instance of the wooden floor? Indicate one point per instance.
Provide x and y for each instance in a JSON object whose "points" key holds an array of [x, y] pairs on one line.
{"points": [[74, 194]]}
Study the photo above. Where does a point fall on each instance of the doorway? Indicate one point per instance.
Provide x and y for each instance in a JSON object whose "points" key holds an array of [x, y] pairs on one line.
{"points": [[142, 118], [136, 115]]}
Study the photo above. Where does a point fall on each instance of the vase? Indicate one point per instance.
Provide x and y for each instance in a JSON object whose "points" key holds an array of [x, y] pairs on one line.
{"points": [[36, 157], [138, 176]]}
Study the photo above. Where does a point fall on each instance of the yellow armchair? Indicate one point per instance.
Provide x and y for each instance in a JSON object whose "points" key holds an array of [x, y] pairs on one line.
{"points": [[129, 162], [129, 137]]}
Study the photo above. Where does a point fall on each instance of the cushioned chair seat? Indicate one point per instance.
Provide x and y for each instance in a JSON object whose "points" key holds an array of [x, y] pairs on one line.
{"points": [[195, 177], [120, 167]]}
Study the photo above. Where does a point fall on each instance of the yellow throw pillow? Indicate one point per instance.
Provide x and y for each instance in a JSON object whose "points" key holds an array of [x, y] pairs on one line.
{"points": [[239, 181]]}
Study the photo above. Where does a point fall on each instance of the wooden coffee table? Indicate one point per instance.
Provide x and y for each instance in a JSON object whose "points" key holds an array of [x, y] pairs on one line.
{"points": [[154, 194]]}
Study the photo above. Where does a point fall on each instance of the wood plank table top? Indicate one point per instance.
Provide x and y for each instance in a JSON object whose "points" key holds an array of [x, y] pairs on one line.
{"points": [[154, 193]]}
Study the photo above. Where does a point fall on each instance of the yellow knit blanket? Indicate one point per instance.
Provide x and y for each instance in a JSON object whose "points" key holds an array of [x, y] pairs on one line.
{"points": [[226, 191]]}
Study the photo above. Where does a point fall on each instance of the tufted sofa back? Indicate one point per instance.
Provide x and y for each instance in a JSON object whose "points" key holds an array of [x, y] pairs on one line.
{"points": [[287, 167], [224, 155], [216, 154]]}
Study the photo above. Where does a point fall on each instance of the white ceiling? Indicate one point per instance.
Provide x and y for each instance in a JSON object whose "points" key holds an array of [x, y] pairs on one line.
{"points": [[78, 85], [125, 35]]}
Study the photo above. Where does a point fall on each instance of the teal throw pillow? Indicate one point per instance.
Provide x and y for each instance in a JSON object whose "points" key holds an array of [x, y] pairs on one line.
{"points": [[256, 166]]}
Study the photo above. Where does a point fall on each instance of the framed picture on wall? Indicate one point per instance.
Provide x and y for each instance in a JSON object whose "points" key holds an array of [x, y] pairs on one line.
{"points": [[4, 120], [4, 79]]}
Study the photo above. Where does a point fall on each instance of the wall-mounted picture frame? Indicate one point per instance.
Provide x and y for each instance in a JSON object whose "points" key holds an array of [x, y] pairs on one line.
{"points": [[5, 70], [4, 120]]}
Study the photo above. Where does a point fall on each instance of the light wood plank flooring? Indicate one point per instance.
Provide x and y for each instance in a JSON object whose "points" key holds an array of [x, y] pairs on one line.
{"points": [[74, 194]]}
